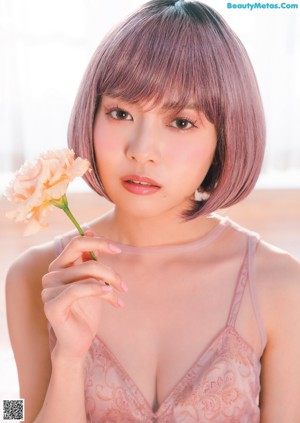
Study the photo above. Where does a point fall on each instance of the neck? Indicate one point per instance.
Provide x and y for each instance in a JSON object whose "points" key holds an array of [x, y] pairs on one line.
{"points": [[153, 231]]}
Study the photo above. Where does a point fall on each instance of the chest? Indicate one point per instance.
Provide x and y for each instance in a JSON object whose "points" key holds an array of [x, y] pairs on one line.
{"points": [[169, 354], [224, 380], [172, 314], [159, 335]]}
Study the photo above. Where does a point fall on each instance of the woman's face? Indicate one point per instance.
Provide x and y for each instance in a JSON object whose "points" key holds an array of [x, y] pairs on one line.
{"points": [[151, 160]]}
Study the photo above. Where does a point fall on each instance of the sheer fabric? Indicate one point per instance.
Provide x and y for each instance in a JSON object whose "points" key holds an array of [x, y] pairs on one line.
{"points": [[222, 385]]}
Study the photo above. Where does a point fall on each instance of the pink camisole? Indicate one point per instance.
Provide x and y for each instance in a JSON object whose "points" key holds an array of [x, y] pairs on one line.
{"points": [[221, 386]]}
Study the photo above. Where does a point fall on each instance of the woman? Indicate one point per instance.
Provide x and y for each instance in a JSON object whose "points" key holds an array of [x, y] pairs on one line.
{"points": [[178, 319]]}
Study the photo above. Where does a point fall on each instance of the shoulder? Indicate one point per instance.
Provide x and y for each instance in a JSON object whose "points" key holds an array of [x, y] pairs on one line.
{"points": [[277, 273], [27, 324], [278, 283], [24, 305], [277, 268], [24, 287], [278, 288], [28, 268]]}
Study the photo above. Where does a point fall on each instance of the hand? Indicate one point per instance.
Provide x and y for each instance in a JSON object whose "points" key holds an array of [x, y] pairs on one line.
{"points": [[73, 292]]}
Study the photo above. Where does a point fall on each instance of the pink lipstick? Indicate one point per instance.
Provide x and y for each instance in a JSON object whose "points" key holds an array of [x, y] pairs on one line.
{"points": [[140, 185]]}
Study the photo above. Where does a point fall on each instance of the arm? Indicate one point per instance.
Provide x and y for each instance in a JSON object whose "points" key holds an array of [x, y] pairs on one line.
{"points": [[53, 385], [280, 379], [27, 324], [29, 337], [64, 400]]}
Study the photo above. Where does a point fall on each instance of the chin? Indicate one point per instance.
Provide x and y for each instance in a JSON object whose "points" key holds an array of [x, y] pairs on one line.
{"points": [[140, 209]]}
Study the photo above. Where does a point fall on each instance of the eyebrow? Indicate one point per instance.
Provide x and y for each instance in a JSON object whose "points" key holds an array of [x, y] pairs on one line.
{"points": [[176, 106]]}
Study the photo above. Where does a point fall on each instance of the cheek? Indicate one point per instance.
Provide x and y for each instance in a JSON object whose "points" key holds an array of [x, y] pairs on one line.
{"points": [[199, 155], [192, 160], [106, 143], [105, 146]]}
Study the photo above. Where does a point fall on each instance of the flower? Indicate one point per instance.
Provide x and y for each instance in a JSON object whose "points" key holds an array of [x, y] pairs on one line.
{"points": [[40, 185]]}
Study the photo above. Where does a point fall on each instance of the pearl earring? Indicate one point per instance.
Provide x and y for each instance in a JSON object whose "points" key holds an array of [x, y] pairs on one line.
{"points": [[201, 195]]}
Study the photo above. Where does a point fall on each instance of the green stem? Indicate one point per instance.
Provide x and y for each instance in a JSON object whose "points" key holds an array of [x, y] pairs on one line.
{"points": [[62, 203], [78, 227], [72, 218]]}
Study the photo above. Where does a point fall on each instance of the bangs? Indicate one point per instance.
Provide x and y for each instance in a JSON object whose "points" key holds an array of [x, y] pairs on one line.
{"points": [[161, 57]]}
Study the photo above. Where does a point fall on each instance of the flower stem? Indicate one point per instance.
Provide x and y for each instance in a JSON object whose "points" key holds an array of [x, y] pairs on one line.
{"points": [[62, 203]]}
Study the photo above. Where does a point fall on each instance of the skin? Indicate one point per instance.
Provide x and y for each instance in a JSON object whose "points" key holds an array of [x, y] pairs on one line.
{"points": [[69, 290]]}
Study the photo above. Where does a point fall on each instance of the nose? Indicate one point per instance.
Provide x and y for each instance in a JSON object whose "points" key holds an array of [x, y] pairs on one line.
{"points": [[143, 146]]}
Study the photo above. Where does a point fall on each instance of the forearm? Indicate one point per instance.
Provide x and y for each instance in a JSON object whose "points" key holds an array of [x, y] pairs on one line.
{"points": [[64, 401]]}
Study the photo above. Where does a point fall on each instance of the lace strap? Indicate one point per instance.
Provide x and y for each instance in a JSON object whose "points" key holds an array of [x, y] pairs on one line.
{"points": [[243, 278], [253, 294]]}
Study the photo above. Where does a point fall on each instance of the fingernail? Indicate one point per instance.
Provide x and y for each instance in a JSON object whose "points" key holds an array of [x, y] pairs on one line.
{"points": [[114, 248], [124, 286], [89, 233], [120, 302]]}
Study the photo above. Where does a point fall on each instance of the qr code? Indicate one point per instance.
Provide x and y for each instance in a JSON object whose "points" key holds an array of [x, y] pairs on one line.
{"points": [[13, 410]]}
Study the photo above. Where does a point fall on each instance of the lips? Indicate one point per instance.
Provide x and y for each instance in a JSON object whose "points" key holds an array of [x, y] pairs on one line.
{"points": [[140, 185], [143, 180]]}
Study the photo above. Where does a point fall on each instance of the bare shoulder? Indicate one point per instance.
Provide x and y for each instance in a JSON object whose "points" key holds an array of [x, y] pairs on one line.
{"points": [[278, 282], [25, 273], [27, 324], [278, 287], [277, 267]]}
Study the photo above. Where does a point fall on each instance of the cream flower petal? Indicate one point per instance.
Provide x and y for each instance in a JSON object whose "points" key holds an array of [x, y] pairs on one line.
{"points": [[58, 190], [36, 184]]}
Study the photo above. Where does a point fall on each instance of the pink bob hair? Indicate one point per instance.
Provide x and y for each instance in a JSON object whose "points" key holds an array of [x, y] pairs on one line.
{"points": [[185, 52]]}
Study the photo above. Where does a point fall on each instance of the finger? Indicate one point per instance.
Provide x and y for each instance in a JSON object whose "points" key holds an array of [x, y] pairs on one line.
{"points": [[89, 233], [87, 255], [89, 269], [79, 245], [55, 305], [52, 292]]}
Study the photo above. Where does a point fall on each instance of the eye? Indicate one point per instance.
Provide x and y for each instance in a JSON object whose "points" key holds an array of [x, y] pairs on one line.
{"points": [[119, 114], [182, 123]]}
